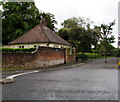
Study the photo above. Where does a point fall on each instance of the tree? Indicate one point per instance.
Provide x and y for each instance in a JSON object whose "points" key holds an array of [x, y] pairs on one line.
{"points": [[106, 32], [50, 20], [1, 24], [106, 37], [19, 17], [117, 52], [76, 22], [109, 49], [81, 39], [80, 33], [70, 23], [64, 33]]}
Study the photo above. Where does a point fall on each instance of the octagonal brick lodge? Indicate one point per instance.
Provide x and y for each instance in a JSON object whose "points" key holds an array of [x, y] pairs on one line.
{"points": [[40, 34]]}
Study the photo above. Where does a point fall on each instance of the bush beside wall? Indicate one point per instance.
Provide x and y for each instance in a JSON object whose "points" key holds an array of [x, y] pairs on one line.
{"points": [[87, 55], [18, 49]]}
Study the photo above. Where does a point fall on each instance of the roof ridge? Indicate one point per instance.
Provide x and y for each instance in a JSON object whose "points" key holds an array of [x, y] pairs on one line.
{"points": [[59, 38], [44, 32]]}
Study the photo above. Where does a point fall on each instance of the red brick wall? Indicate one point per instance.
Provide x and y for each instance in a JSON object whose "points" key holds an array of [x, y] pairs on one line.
{"points": [[50, 56], [50, 53], [18, 60], [43, 57]]}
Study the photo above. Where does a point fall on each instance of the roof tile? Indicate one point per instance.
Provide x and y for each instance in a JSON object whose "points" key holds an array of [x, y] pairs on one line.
{"points": [[40, 33]]}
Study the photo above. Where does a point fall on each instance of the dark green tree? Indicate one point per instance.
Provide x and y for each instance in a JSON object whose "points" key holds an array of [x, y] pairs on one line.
{"points": [[70, 23], [50, 20], [117, 52], [64, 33], [19, 17], [106, 32], [81, 39], [106, 37], [109, 49], [80, 33], [76, 22]]}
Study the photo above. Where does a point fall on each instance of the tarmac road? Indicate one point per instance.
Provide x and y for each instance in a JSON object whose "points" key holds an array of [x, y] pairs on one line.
{"points": [[92, 81]]}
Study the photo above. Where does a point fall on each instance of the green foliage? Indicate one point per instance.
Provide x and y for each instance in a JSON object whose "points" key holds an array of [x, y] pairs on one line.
{"points": [[101, 48], [70, 23], [64, 33], [19, 17], [106, 32], [70, 51], [94, 51], [88, 55], [18, 49], [83, 39], [50, 20], [117, 52], [76, 22], [81, 56], [77, 31], [93, 55], [106, 38]]}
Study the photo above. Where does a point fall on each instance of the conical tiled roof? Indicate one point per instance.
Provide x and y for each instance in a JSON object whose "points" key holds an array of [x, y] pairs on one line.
{"points": [[38, 34]]}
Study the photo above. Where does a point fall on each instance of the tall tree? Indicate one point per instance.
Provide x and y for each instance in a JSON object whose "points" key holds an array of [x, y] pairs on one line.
{"points": [[106, 32], [64, 33], [106, 36], [19, 17], [77, 22], [50, 20], [80, 33], [81, 38]]}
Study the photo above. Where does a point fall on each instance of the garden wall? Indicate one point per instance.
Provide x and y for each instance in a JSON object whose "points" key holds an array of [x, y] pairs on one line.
{"points": [[43, 57]]}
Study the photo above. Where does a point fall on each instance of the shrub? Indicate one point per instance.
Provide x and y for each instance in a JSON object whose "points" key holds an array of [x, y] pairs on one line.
{"points": [[93, 55], [117, 52], [87, 55], [17, 49], [81, 56]]}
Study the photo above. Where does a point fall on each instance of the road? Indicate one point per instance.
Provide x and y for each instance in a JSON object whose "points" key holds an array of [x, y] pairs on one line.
{"points": [[92, 81]]}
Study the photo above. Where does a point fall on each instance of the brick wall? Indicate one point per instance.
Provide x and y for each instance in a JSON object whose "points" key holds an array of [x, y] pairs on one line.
{"points": [[50, 56], [43, 57], [18, 60]]}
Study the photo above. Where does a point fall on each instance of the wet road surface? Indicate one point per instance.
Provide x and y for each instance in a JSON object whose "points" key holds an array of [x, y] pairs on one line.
{"points": [[92, 81]]}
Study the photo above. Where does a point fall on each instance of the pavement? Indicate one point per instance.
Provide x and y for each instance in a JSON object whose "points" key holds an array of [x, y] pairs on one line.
{"points": [[8, 76]]}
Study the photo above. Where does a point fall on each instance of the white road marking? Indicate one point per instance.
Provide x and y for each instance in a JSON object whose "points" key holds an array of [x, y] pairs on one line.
{"points": [[15, 75]]}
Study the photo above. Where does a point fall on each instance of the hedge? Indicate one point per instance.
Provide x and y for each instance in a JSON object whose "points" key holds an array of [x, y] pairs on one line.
{"points": [[117, 53], [93, 55], [17, 49], [87, 55]]}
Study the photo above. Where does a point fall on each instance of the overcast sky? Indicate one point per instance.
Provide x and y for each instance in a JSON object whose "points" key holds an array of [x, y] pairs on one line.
{"points": [[99, 11]]}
